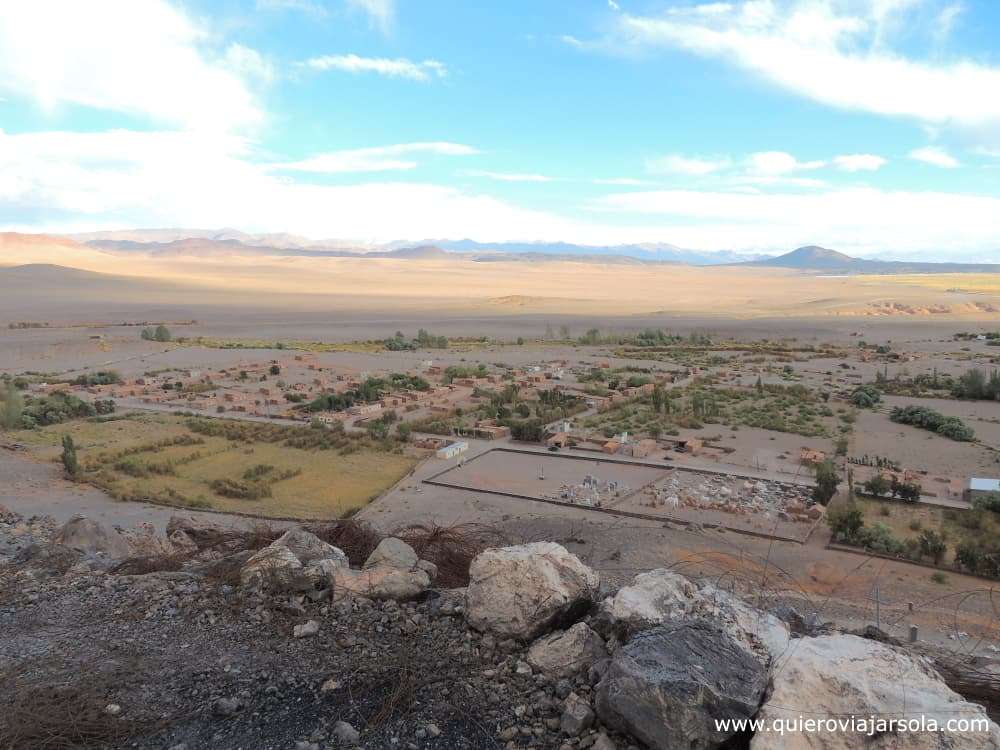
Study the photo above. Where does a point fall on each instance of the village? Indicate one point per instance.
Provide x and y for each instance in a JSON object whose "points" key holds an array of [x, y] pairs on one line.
{"points": [[733, 431]]}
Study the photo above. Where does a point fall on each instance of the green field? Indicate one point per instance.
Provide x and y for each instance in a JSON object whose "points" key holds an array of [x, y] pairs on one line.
{"points": [[133, 459]]}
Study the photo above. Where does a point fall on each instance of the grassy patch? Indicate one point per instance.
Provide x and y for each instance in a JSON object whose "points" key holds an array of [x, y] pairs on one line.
{"points": [[235, 466], [956, 526]]}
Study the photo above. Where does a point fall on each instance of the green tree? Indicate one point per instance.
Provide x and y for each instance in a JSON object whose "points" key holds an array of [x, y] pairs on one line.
{"points": [[826, 482], [845, 522], [878, 485], [11, 406], [162, 333], [932, 545], [69, 460]]}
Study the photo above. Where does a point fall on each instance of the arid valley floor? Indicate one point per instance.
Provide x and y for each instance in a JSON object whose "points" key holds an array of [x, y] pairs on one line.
{"points": [[641, 416]]}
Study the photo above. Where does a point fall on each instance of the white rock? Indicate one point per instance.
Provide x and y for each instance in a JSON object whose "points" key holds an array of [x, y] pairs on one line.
{"points": [[308, 547], [567, 652], [270, 565], [306, 629], [652, 598], [520, 592], [393, 553], [380, 582], [841, 675], [760, 630]]}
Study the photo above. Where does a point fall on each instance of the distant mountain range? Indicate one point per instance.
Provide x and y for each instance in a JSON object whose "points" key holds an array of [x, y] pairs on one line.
{"points": [[206, 241], [815, 258], [222, 242]]}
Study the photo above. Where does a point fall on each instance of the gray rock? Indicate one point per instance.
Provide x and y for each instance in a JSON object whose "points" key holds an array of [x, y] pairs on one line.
{"points": [[345, 734], [670, 684], [603, 742], [429, 568], [567, 652], [226, 706], [577, 716], [393, 553], [84, 535]]}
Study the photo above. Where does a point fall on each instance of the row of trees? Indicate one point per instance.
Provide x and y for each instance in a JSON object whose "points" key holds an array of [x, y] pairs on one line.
{"points": [[847, 526], [424, 340], [929, 419], [879, 486]]}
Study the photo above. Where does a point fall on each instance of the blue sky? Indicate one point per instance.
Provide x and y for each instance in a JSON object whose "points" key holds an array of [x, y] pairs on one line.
{"points": [[871, 126]]}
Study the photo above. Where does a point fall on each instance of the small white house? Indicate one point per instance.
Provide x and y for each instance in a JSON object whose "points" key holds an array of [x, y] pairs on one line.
{"points": [[452, 449], [980, 486]]}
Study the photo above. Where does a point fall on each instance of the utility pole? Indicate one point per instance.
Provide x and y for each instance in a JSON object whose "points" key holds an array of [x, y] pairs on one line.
{"points": [[877, 598]]}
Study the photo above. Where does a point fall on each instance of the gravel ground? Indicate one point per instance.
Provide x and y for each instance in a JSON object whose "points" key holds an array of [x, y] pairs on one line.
{"points": [[184, 660]]}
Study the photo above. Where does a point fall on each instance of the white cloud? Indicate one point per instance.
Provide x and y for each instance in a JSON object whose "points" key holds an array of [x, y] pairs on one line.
{"points": [[692, 166], [508, 176], [56, 181], [618, 181], [393, 68], [129, 178], [375, 159], [381, 13], [138, 57], [811, 48], [859, 162], [249, 63], [935, 156], [774, 163], [303, 6]]}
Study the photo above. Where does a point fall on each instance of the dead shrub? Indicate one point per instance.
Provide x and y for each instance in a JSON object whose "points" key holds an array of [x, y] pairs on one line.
{"points": [[60, 716], [451, 548], [356, 539], [143, 565]]}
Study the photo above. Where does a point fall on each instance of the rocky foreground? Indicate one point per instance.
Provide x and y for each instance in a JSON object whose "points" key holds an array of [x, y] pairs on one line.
{"points": [[213, 638]]}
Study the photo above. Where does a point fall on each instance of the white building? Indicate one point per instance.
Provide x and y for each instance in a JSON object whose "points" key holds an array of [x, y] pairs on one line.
{"points": [[452, 450], [979, 486]]}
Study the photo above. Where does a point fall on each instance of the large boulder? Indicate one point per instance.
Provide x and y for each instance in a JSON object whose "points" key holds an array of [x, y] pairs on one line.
{"points": [[308, 547], [671, 684], [84, 535], [762, 631], [567, 652], [145, 542], [394, 553], [653, 598], [382, 582], [271, 566], [524, 591], [843, 675], [661, 596]]}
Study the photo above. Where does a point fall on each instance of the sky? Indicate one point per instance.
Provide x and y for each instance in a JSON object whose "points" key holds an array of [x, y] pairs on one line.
{"points": [[868, 126]]}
